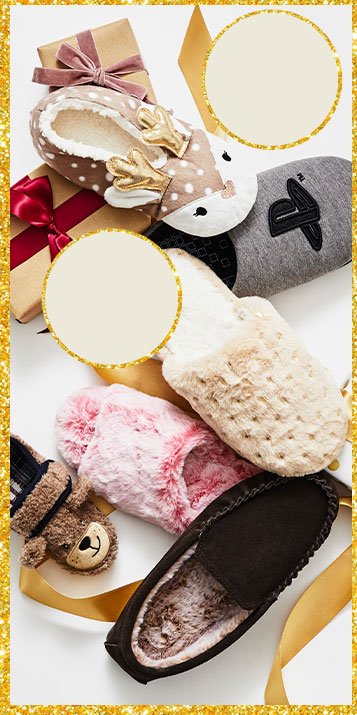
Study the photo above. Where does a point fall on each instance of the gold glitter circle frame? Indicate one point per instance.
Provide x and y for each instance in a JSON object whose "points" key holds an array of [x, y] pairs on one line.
{"points": [[144, 357], [325, 120]]}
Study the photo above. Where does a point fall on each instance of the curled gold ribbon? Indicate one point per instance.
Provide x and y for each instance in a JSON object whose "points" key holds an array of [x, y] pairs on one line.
{"points": [[319, 604], [105, 606]]}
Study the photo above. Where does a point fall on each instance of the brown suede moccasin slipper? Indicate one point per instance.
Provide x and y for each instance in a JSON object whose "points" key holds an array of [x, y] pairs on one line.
{"points": [[223, 573]]}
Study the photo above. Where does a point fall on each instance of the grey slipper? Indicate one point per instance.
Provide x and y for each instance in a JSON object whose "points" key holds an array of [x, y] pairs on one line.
{"points": [[298, 229]]}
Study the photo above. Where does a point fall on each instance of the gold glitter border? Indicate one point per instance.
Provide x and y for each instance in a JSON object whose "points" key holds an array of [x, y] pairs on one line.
{"points": [[4, 361], [329, 114], [5, 707], [173, 325]]}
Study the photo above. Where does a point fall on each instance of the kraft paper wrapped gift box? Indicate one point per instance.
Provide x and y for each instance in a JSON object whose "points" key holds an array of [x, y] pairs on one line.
{"points": [[75, 212], [114, 42]]}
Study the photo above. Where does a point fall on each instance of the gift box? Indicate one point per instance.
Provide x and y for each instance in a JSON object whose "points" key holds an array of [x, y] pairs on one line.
{"points": [[114, 43], [68, 211], [53, 211]]}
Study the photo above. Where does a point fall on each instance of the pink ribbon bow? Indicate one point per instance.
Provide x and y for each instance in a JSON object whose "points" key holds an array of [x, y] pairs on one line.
{"points": [[85, 68]]}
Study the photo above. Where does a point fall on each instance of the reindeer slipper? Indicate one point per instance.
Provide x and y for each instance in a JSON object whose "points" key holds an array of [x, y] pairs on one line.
{"points": [[55, 517], [140, 156], [146, 456], [298, 229], [222, 574], [242, 369]]}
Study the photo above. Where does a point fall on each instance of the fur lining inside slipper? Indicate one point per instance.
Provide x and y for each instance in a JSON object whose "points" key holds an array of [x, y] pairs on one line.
{"points": [[186, 613], [86, 129]]}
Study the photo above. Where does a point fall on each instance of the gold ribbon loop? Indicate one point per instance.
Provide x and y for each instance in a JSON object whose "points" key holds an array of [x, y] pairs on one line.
{"points": [[191, 61], [319, 604], [105, 606]]}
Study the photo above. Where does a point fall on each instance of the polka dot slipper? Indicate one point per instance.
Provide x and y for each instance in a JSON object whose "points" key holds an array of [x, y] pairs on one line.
{"points": [[248, 376], [138, 155], [222, 574]]}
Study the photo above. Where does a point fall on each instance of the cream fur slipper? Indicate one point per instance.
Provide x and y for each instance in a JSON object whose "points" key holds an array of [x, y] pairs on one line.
{"points": [[140, 156], [249, 377]]}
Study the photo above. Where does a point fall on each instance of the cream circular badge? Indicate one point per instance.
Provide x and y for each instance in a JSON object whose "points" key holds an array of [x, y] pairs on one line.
{"points": [[112, 298], [272, 79]]}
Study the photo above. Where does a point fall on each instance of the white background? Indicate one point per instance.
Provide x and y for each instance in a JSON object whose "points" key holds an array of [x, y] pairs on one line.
{"points": [[58, 658]]}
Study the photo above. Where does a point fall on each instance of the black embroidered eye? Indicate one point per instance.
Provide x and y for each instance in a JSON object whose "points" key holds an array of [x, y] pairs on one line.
{"points": [[65, 546], [200, 211], [226, 156]]}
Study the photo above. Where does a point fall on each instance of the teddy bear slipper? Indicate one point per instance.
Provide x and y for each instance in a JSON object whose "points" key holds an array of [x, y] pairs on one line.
{"points": [[223, 574], [55, 517], [146, 456], [139, 155], [298, 229], [241, 367]]}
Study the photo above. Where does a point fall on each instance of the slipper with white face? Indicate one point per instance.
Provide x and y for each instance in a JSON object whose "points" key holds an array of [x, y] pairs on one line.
{"points": [[241, 367], [139, 156]]}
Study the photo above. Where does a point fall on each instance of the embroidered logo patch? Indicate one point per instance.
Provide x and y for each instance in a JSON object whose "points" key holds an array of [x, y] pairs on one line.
{"points": [[300, 211]]}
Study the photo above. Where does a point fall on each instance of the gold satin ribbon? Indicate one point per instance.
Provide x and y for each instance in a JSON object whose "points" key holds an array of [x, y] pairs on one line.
{"points": [[146, 377], [319, 604], [191, 59], [101, 503], [101, 607]]}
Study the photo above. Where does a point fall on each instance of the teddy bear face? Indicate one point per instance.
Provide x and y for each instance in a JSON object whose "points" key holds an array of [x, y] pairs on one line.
{"points": [[81, 540], [91, 549], [56, 517]]}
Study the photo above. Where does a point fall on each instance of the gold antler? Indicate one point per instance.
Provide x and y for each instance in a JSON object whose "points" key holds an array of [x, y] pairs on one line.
{"points": [[161, 131], [136, 172]]}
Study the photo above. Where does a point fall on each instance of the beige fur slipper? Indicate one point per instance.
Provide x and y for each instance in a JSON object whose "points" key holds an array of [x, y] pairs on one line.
{"points": [[250, 378]]}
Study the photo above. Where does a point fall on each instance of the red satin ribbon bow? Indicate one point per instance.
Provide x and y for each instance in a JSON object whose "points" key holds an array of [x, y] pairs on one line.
{"points": [[85, 68], [31, 200]]}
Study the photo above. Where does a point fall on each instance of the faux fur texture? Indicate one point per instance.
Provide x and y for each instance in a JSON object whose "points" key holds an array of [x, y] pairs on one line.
{"points": [[87, 129], [146, 456], [244, 371], [63, 534], [186, 613]]}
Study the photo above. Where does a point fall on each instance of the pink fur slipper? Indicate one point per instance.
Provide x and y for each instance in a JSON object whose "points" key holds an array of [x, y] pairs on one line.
{"points": [[146, 456]]}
